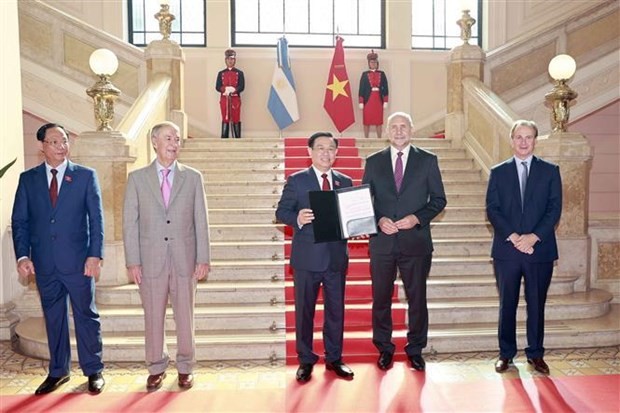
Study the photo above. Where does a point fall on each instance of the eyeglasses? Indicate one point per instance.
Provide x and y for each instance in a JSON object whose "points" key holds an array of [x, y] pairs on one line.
{"points": [[57, 144]]}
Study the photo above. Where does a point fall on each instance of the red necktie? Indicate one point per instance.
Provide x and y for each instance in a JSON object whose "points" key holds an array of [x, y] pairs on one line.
{"points": [[398, 171], [325, 183], [54, 188]]}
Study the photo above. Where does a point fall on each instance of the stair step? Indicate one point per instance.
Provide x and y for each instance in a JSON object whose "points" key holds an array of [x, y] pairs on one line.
{"points": [[459, 310], [280, 174], [221, 317], [438, 288], [455, 338], [258, 344], [275, 187], [255, 292]]}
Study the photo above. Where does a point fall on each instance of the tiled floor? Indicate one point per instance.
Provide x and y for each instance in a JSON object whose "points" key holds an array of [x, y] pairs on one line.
{"points": [[21, 375]]}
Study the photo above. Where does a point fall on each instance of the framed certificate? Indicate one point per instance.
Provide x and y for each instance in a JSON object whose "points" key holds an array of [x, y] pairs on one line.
{"points": [[343, 213]]}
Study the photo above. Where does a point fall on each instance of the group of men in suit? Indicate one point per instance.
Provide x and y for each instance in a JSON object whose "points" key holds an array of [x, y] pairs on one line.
{"points": [[58, 236], [407, 194]]}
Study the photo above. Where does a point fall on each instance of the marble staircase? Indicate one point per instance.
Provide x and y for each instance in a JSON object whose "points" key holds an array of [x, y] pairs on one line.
{"points": [[241, 310]]}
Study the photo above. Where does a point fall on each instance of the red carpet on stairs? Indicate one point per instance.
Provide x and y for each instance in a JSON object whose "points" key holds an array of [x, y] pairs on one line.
{"points": [[358, 299]]}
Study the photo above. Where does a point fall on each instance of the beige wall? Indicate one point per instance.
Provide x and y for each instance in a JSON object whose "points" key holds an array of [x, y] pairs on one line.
{"points": [[602, 129], [11, 147]]}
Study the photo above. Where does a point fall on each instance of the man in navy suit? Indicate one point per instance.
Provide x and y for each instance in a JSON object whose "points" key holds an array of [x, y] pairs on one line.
{"points": [[524, 204], [408, 193], [316, 264], [57, 224]]}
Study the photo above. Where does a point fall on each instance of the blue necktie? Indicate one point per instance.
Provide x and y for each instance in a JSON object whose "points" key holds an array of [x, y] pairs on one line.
{"points": [[523, 183]]}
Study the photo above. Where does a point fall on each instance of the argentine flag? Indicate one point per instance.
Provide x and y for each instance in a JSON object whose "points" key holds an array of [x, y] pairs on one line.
{"points": [[282, 97]]}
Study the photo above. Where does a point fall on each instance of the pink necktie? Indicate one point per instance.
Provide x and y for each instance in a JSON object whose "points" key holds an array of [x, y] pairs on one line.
{"points": [[398, 171], [165, 187]]}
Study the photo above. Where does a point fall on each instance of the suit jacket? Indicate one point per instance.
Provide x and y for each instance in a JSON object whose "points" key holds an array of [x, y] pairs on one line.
{"points": [[149, 229], [305, 253], [421, 194], [540, 215], [62, 237]]}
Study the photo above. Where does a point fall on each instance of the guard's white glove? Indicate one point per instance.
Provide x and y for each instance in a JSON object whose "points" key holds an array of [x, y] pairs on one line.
{"points": [[361, 105], [384, 105], [228, 90]]}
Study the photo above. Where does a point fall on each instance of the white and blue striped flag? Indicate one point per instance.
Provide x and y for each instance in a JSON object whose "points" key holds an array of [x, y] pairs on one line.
{"points": [[282, 97]]}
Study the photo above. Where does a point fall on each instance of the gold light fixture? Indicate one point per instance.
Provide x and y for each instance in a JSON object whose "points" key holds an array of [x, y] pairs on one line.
{"points": [[561, 68], [103, 63], [165, 19]]}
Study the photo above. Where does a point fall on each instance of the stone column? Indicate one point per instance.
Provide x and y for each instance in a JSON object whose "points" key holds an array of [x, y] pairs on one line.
{"points": [[465, 61], [573, 153], [110, 155], [167, 57]]}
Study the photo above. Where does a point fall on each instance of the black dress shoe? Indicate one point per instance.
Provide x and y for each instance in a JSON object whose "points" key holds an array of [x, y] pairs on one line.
{"points": [[385, 360], [502, 364], [304, 372], [341, 369], [539, 365], [96, 383], [50, 384], [417, 362]]}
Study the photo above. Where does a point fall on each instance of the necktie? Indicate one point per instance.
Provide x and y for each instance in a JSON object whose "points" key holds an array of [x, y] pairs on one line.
{"points": [[523, 183], [398, 171], [54, 188], [325, 183], [165, 187]]}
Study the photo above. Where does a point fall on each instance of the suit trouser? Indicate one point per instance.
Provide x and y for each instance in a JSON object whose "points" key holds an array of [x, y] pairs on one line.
{"points": [[307, 285], [413, 271], [154, 293], [56, 290], [537, 278]]}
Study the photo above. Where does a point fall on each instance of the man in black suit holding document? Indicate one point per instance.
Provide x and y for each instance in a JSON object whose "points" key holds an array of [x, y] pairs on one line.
{"points": [[316, 264]]}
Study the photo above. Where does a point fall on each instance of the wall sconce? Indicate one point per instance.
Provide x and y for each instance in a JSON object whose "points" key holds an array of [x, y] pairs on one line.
{"points": [[466, 21], [165, 19], [561, 68], [103, 63]]}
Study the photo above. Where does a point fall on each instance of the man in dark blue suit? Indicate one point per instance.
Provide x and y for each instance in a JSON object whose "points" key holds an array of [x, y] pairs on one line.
{"points": [[57, 224], [316, 264], [408, 194], [524, 204]]}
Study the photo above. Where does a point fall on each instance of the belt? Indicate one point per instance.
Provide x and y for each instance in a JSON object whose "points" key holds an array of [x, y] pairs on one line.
{"points": [[374, 89]]}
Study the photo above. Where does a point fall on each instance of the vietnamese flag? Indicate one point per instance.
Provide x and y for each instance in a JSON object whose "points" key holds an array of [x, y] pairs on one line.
{"points": [[338, 102]]}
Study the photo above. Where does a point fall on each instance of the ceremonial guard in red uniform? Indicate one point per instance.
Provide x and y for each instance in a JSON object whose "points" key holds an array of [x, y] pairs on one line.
{"points": [[230, 83], [373, 95]]}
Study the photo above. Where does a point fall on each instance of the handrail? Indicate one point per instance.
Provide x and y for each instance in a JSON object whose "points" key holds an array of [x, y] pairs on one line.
{"points": [[489, 120], [149, 108]]}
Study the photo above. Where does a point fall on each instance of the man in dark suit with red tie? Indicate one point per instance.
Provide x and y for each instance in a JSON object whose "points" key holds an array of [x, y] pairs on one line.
{"points": [[524, 204], [316, 264], [408, 193], [57, 224]]}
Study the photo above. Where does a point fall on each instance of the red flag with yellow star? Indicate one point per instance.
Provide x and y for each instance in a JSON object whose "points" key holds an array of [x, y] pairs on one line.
{"points": [[338, 101]]}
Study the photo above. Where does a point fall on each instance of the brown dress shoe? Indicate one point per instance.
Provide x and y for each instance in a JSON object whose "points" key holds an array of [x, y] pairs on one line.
{"points": [[154, 381], [502, 364], [539, 365], [186, 381]]}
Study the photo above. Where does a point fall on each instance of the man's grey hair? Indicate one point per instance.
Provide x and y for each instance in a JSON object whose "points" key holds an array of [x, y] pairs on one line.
{"points": [[402, 115]]}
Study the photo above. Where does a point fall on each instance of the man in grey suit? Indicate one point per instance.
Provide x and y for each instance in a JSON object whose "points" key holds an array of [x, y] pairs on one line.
{"points": [[408, 194], [166, 234]]}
